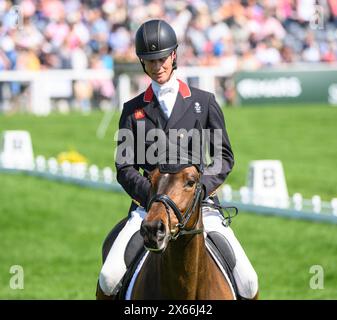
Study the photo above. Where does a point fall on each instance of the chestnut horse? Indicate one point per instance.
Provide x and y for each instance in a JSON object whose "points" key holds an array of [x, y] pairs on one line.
{"points": [[178, 265]]}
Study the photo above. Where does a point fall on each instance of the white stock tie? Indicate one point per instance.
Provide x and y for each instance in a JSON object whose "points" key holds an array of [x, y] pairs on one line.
{"points": [[164, 96]]}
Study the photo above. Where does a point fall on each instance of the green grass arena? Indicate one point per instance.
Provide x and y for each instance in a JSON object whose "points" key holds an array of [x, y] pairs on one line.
{"points": [[55, 231]]}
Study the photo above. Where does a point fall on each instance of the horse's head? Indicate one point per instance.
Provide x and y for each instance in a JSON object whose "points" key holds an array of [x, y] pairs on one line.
{"points": [[174, 206]]}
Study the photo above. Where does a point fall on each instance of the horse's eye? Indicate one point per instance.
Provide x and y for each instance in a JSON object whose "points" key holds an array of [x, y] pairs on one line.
{"points": [[191, 183]]}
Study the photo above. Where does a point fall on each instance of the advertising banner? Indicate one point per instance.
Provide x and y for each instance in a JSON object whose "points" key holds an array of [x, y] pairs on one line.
{"points": [[286, 86]]}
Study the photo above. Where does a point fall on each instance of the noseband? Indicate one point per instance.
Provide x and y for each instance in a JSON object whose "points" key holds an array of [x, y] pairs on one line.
{"points": [[182, 218]]}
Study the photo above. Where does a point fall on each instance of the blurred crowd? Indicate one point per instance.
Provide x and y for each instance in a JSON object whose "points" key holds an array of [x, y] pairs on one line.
{"points": [[80, 34], [99, 34]]}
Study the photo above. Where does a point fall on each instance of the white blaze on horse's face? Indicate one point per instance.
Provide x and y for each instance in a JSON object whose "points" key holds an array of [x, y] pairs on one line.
{"points": [[161, 222]]}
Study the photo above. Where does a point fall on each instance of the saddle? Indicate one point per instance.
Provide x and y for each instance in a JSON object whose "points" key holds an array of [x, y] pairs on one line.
{"points": [[219, 247]]}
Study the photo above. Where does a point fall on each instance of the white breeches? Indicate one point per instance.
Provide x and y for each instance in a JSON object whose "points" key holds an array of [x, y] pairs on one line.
{"points": [[244, 273], [114, 267]]}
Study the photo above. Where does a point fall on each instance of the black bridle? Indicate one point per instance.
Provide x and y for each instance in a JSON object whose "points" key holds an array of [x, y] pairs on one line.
{"points": [[183, 219]]}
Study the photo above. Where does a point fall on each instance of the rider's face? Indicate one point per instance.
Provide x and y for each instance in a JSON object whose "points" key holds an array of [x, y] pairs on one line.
{"points": [[160, 70]]}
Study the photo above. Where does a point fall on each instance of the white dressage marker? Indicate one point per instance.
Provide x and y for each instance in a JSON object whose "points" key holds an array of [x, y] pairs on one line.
{"points": [[267, 183], [16, 150]]}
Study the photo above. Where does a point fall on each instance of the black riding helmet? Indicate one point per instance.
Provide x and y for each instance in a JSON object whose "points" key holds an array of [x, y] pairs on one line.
{"points": [[155, 39]]}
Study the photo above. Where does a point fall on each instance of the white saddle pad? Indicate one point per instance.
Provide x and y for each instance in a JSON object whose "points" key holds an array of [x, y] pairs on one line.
{"points": [[140, 265]]}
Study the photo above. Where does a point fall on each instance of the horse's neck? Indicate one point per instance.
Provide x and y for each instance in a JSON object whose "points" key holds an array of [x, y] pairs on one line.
{"points": [[187, 251]]}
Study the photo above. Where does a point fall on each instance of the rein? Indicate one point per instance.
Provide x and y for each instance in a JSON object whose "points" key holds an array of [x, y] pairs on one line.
{"points": [[227, 220], [183, 219]]}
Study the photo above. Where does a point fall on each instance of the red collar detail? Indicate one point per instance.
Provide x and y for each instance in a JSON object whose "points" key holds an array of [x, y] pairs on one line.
{"points": [[183, 89], [148, 95]]}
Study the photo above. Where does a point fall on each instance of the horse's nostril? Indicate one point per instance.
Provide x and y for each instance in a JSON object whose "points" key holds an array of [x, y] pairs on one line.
{"points": [[153, 229], [160, 230], [143, 229], [161, 226]]}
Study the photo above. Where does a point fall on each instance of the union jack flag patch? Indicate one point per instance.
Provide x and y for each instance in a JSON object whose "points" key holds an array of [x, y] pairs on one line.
{"points": [[139, 114]]}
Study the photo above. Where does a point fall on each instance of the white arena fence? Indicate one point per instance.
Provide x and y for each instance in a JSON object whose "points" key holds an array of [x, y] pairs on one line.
{"points": [[313, 209], [38, 89], [40, 92]]}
